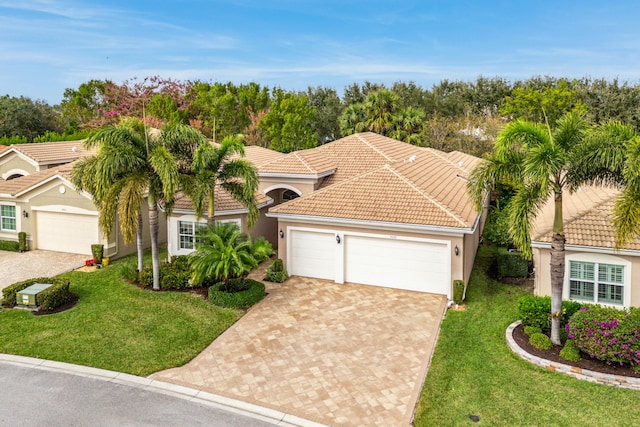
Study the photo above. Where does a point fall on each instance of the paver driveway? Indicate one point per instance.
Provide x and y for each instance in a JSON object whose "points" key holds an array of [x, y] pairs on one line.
{"points": [[15, 266], [334, 354]]}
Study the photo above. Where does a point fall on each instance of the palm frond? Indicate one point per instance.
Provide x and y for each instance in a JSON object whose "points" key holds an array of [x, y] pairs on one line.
{"points": [[626, 216], [523, 209]]}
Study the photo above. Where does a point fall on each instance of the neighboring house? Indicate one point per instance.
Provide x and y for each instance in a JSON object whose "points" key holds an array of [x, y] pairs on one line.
{"points": [[37, 197], [364, 209], [595, 271]]}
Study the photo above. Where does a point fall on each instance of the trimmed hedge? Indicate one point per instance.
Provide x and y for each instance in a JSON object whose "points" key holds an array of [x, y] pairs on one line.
{"points": [[54, 296], [511, 264], [530, 330], [173, 275], [540, 341], [458, 291], [9, 245], [607, 334], [9, 293], [276, 272], [23, 244], [570, 351], [535, 311], [249, 293]]}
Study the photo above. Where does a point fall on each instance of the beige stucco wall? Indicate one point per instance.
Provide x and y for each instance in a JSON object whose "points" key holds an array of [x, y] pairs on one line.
{"points": [[460, 269], [265, 227], [542, 278], [117, 248], [302, 186], [14, 162]]}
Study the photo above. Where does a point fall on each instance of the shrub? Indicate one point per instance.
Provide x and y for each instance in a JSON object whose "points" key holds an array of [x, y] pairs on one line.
{"points": [[530, 330], [54, 296], [23, 245], [496, 229], [97, 251], [261, 250], [129, 270], [535, 311], [173, 275], [570, 351], [607, 334], [276, 272], [540, 341], [458, 291], [9, 293], [511, 264], [9, 245], [252, 293]]}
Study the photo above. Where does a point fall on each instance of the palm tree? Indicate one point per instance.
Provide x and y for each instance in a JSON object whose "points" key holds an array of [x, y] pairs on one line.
{"points": [[223, 253], [541, 162], [223, 166], [129, 166], [380, 107]]}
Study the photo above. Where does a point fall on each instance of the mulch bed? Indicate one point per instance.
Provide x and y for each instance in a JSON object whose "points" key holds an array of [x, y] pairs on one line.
{"points": [[586, 363]]}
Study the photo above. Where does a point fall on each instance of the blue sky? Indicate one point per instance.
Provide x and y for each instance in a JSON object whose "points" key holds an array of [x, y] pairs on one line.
{"points": [[49, 45]]}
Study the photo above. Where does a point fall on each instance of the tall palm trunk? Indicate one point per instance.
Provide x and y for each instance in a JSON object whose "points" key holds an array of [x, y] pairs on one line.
{"points": [[211, 211], [557, 269], [140, 242], [153, 232]]}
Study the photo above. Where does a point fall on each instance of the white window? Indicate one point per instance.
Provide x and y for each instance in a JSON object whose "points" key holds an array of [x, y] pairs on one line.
{"points": [[596, 282], [7, 217], [187, 233]]}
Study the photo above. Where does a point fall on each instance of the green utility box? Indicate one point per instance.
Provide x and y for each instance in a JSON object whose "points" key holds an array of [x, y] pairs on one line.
{"points": [[27, 296]]}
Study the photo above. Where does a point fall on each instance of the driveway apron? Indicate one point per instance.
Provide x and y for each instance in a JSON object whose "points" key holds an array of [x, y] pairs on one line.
{"points": [[15, 266], [335, 354]]}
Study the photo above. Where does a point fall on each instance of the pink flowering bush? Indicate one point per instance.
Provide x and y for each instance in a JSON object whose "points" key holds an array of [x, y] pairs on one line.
{"points": [[607, 334]]}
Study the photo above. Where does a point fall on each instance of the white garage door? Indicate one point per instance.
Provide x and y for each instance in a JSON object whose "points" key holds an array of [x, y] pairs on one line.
{"points": [[402, 264], [312, 254], [64, 232]]}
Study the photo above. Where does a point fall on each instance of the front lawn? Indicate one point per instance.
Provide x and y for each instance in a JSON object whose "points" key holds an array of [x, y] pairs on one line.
{"points": [[117, 326], [473, 372]]}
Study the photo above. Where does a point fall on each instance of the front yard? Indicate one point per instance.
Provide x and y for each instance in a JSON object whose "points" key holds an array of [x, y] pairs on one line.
{"points": [[473, 372], [117, 326]]}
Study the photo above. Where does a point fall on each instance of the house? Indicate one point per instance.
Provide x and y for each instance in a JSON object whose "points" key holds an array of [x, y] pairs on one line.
{"points": [[595, 271], [37, 197], [363, 209]]}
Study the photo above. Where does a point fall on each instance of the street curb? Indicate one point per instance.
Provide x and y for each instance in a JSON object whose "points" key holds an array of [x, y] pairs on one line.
{"points": [[239, 407]]}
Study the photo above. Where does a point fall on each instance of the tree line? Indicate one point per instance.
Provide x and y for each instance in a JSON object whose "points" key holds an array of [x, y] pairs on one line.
{"points": [[451, 115]]}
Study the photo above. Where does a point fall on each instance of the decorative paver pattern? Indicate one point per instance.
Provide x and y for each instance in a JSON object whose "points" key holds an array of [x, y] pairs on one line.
{"points": [[336, 354], [15, 266]]}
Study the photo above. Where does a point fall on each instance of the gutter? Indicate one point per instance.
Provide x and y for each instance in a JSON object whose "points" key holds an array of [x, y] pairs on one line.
{"points": [[592, 249]]}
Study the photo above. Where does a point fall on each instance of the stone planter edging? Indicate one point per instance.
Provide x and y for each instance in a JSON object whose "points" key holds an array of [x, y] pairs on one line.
{"points": [[573, 371]]}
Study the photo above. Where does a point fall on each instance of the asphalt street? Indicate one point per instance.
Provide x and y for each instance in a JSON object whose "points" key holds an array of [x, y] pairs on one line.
{"points": [[38, 397]]}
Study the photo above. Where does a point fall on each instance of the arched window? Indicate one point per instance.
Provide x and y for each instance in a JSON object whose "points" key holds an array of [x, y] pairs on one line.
{"points": [[289, 195]]}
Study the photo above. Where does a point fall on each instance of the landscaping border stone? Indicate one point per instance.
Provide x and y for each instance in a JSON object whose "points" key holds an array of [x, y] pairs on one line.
{"points": [[573, 371]]}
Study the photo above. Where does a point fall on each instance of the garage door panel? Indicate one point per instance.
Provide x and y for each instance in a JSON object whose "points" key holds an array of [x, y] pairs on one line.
{"points": [[64, 232], [404, 264], [313, 254]]}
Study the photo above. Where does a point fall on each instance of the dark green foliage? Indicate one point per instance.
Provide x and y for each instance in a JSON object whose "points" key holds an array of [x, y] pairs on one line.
{"points": [[535, 310], [458, 291], [540, 341], [173, 275], [23, 245], [129, 271], [9, 245], [261, 250], [246, 293], [570, 351], [496, 230], [97, 250], [530, 330], [511, 264], [276, 272], [9, 293], [54, 296]]}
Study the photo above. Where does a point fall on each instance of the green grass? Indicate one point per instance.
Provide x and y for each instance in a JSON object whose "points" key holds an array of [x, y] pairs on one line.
{"points": [[474, 372], [117, 326]]}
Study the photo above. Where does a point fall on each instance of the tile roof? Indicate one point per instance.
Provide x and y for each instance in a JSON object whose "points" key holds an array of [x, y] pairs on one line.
{"points": [[587, 216], [304, 162], [46, 153], [259, 155], [426, 190], [18, 185], [223, 201]]}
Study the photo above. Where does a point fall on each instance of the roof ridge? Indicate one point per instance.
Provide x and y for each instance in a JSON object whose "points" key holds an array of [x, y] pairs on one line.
{"points": [[426, 196], [304, 162], [373, 147], [443, 156]]}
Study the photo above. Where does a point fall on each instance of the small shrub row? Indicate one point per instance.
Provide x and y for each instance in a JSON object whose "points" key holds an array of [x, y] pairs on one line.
{"points": [[510, 264], [536, 310], [9, 245], [607, 334], [54, 296], [276, 272], [173, 275], [9, 293], [247, 293]]}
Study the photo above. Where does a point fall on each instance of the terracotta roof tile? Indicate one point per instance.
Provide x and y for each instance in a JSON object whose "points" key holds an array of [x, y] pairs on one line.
{"points": [[46, 153], [223, 201], [259, 155], [18, 185], [587, 215]]}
